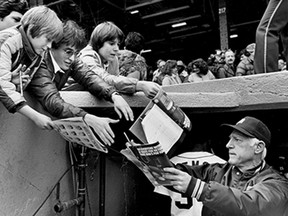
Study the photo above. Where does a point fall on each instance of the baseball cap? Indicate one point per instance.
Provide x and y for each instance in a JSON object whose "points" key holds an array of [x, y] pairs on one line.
{"points": [[252, 127]]}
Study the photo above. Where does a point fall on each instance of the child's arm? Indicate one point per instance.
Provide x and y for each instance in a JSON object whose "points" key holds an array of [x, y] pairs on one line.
{"points": [[42, 121]]}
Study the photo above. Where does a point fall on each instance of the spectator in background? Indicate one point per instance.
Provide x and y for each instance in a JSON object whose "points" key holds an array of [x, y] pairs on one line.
{"points": [[170, 73], [228, 69], [131, 63], [245, 67], [216, 60], [200, 72], [281, 64], [157, 75], [11, 12], [181, 68], [272, 27]]}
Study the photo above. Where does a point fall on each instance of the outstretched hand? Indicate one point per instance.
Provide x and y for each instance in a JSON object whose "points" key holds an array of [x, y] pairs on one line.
{"points": [[122, 107], [15, 78], [101, 127], [150, 89]]}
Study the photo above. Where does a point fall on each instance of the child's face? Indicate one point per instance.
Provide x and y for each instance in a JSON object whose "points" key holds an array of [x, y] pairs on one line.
{"points": [[64, 56], [40, 44], [109, 50], [11, 20]]}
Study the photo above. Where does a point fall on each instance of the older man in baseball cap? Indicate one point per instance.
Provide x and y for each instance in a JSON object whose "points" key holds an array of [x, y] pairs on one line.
{"points": [[245, 185]]}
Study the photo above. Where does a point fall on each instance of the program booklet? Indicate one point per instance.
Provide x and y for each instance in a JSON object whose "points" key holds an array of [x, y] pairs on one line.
{"points": [[76, 130], [161, 121], [150, 159]]}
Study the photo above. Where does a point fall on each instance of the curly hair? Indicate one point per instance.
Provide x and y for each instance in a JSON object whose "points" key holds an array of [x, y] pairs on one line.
{"points": [[201, 64]]}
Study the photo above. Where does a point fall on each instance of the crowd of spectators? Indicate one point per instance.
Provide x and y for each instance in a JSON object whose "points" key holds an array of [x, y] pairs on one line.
{"points": [[219, 65]]}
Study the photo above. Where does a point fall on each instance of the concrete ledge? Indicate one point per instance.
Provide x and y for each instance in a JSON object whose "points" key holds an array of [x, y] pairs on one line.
{"points": [[236, 92]]}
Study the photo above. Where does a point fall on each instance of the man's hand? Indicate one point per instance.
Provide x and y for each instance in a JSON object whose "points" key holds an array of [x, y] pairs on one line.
{"points": [[121, 106], [15, 79], [101, 127], [180, 180], [150, 89]]}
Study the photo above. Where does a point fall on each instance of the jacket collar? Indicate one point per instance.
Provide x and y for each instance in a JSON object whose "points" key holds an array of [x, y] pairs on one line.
{"points": [[49, 62], [27, 45]]}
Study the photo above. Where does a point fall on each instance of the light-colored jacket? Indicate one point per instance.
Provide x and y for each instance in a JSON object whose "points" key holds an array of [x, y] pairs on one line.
{"points": [[15, 49], [92, 59]]}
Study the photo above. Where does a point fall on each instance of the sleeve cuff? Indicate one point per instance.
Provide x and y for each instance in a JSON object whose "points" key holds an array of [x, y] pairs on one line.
{"points": [[195, 188]]}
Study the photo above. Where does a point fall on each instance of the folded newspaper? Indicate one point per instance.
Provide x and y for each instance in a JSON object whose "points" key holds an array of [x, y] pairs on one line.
{"points": [[76, 130]]}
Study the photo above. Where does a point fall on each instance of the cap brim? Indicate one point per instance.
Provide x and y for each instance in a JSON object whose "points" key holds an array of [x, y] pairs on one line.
{"points": [[241, 130]]}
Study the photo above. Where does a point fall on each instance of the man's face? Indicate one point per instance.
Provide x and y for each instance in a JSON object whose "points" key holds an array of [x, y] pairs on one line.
{"points": [[11, 20], [241, 150], [229, 58], [109, 50], [40, 44], [64, 56]]}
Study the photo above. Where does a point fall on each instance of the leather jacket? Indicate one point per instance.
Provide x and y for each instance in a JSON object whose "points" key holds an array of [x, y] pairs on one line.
{"points": [[46, 89]]}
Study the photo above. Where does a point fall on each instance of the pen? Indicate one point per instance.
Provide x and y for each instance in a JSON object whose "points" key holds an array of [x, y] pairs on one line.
{"points": [[21, 83]]}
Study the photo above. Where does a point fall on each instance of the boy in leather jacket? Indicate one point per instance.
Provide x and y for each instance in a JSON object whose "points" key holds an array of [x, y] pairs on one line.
{"points": [[59, 64]]}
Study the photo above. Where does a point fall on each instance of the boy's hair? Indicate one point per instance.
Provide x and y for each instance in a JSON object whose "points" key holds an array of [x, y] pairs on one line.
{"points": [[105, 31], [6, 7], [73, 35], [41, 20], [134, 42]]}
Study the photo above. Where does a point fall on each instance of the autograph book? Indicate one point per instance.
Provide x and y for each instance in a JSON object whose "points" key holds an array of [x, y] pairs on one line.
{"points": [[150, 159], [159, 127], [161, 121], [76, 130]]}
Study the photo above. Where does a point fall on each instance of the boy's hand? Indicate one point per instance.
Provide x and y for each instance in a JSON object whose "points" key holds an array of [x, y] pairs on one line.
{"points": [[44, 122], [15, 78], [101, 127], [150, 89], [121, 106]]}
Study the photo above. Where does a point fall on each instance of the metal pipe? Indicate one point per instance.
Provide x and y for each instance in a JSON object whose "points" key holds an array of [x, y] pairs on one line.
{"points": [[63, 206]]}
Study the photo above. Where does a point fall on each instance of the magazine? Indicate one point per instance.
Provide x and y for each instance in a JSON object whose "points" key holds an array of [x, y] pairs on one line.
{"points": [[150, 159], [76, 130], [161, 121]]}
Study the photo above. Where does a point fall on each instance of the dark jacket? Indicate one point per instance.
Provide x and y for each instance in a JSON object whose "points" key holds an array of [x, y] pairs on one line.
{"points": [[225, 71], [46, 89], [227, 191], [15, 49]]}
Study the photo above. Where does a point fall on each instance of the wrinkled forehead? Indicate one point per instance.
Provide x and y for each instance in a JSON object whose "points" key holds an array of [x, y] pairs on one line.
{"points": [[236, 133]]}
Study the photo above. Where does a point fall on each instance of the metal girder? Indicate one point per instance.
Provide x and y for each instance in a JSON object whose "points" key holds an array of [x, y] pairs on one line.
{"points": [[166, 12]]}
